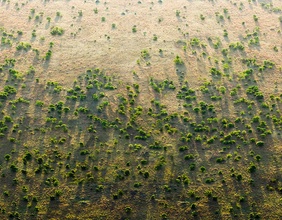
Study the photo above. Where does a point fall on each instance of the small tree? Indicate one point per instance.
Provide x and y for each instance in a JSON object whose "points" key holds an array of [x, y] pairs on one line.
{"points": [[178, 60]]}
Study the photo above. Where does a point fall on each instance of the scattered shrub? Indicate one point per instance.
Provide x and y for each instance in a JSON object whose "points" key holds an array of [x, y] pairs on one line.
{"points": [[57, 30], [178, 60]]}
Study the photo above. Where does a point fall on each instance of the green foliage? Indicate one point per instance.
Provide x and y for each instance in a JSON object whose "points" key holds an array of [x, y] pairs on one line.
{"points": [[160, 86], [23, 46], [255, 91], [236, 46], [215, 72], [255, 18], [252, 168], [8, 90], [177, 13], [128, 209], [48, 55], [145, 54], [39, 103], [57, 30], [189, 157], [134, 29], [195, 42], [178, 61], [260, 143]]}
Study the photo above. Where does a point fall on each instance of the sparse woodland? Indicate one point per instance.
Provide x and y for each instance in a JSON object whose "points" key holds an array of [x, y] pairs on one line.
{"points": [[140, 109]]}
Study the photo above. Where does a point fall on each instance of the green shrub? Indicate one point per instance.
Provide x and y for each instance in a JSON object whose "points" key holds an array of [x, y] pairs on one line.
{"points": [[7, 157], [23, 46], [255, 18], [209, 180], [252, 168], [215, 72], [260, 143], [128, 209], [189, 157], [6, 193], [146, 174], [178, 60], [134, 29], [145, 54], [202, 169], [192, 166], [220, 160], [236, 46], [10, 89], [14, 168], [177, 13], [195, 42], [57, 30], [39, 103], [48, 55]]}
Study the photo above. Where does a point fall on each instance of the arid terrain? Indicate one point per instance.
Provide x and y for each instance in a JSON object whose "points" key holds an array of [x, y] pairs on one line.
{"points": [[121, 109]]}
